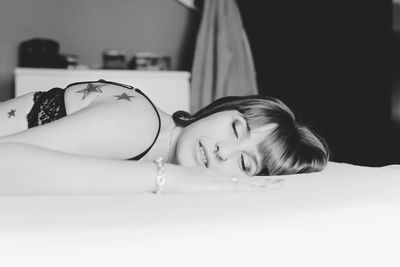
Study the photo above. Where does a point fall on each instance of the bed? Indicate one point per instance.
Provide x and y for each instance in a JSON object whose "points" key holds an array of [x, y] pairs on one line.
{"points": [[347, 215]]}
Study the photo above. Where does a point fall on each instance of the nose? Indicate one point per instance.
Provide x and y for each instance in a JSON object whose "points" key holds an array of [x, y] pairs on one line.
{"points": [[224, 150]]}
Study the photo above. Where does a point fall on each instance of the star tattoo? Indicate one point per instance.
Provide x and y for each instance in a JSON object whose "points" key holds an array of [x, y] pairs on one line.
{"points": [[91, 88], [124, 96], [11, 113]]}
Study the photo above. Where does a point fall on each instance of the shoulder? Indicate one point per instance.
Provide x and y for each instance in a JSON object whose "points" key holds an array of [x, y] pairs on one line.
{"points": [[124, 114], [81, 95]]}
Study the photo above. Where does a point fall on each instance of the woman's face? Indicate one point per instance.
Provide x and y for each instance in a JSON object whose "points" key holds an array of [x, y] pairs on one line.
{"points": [[222, 142]]}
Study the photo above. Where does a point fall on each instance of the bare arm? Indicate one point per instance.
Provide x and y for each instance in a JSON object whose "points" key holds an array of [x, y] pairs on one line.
{"points": [[26, 169], [109, 129]]}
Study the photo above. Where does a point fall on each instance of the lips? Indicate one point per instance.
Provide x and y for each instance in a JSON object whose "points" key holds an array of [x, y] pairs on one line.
{"points": [[203, 155]]}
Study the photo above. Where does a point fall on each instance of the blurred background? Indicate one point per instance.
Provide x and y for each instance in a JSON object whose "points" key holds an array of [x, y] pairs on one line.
{"points": [[87, 28], [333, 62]]}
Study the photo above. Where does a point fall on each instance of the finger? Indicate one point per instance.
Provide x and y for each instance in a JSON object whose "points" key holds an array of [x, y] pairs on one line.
{"points": [[256, 183], [232, 184]]}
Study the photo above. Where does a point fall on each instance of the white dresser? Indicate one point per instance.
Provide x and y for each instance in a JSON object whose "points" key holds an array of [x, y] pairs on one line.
{"points": [[169, 90]]}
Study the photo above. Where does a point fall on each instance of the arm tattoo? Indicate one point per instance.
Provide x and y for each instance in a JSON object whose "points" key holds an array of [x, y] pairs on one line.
{"points": [[91, 88], [123, 96], [11, 113]]}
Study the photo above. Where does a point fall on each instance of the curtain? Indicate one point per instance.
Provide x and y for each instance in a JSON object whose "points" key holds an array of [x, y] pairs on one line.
{"points": [[223, 64]]}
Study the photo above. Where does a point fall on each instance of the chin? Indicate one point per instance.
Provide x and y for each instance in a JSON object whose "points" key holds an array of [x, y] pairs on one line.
{"points": [[184, 155], [183, 161]]}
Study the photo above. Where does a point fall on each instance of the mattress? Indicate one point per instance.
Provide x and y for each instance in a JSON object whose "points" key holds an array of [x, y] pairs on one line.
{"points": [[347, 215]]}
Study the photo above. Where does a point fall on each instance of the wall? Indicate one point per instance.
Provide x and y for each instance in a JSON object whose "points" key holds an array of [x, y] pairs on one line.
{"points": [[87, 27], [330, 61], [396, 78]]}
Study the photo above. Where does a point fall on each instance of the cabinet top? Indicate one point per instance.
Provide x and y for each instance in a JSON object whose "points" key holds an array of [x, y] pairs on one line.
{"points": [[83, 72]]}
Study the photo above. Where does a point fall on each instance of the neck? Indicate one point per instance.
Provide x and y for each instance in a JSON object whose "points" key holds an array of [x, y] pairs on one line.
{"points": [[175, 133]]}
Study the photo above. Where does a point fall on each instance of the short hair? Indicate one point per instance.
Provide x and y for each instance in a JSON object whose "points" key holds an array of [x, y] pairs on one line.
{"points": [[291, 146]]}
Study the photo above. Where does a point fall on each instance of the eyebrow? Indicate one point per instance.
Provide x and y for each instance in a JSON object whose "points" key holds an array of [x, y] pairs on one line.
{"points": [[246, 122]]}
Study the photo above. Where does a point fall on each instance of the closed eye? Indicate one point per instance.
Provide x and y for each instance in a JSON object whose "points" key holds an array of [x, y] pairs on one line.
{"points": [[242, 162], [234, 127], [245, 169]]}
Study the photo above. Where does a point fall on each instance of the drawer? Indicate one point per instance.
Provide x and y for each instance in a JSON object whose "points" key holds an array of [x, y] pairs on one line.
{"points": [[169, 90]]}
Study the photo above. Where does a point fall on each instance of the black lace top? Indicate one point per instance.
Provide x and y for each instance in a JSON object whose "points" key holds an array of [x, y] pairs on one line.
{"points": [[48, 106]]}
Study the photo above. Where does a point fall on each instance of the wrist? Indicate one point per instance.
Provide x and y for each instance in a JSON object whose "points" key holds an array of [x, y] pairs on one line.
{"points": [[160, 179]]}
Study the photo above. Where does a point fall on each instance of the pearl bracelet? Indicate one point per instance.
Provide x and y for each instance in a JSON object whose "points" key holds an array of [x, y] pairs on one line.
{"points": [[160, 175]]}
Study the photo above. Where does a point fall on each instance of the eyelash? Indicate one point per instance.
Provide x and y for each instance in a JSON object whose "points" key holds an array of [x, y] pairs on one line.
{"points": [[243, 166], [242, 163], [234, 128]]}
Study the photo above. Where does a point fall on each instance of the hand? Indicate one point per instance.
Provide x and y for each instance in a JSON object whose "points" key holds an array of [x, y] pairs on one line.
{"points": [[193, 180]]}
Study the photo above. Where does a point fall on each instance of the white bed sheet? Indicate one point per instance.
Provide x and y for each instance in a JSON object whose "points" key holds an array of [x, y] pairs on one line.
{"points": [[346, 215]]}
